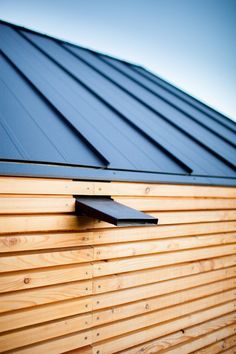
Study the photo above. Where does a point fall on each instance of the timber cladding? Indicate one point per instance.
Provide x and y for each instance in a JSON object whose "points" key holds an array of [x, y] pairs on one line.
{"points": [[78, 285]]}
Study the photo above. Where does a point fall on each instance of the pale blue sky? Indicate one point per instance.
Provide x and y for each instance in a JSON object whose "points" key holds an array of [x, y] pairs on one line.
{"points": [[190, 43]]}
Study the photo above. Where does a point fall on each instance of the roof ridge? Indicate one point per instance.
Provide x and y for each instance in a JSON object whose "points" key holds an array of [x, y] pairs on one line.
{"points": [[21, 27]]}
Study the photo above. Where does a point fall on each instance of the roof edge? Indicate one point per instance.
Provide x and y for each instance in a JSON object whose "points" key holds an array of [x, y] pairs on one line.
{"points": [[91, 174], [65, 41]]}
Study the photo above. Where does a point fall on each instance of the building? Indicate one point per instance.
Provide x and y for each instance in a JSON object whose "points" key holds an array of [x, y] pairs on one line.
{"points": [[80, 132]]}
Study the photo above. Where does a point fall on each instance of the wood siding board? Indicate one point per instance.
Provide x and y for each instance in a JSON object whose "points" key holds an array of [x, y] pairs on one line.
{"points": [[18, 185], [35, 223], [127, 340], [182, 336], [77, 285], [27, 242]]}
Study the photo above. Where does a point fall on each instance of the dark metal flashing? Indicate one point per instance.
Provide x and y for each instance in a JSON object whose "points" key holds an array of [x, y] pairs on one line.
{"points": [[93, 174], [108, 210]]}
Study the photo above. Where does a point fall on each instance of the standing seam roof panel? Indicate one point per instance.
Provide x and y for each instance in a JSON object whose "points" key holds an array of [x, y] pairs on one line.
{"points": [[88, 75], [216, 127], [224, 151], [185, 97], [63, 105]]}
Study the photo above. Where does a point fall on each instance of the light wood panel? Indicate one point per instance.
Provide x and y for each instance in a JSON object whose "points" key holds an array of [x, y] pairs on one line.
{"points": [[148, 304], [29, 204], [217, 347], [21, 223], [154, 289], [160, 344], [32, 205], [204, 341], [36, 278], [159, 246], [41, 277], [17, 185], [74, 284], [140, 336], [148, 276], [45, 259], [38, 314], [49, 312], [46, 331], [32, 298], [39, 296], [74, 324], [103, 268], [175, 203], [25, 242], [146, 320], [231, 350], [59, 345], [89, 254]]}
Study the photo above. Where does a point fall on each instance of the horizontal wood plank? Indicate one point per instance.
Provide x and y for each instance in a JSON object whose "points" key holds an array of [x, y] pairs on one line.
{"points": [[231, 350], [39, 296], [102, 268], [160, 288], [76, 284], [147, 305], [39, 314], [27, 336], [17, 185], [148, 276], [43, 277], [45, 331], [59, 345], [204, 341], [125, 341], [218, 346], [19, 242], [32, 204], [85, 350], [176, 203], [160, 344], [19, 205], [45, 259], [145, 320], [29, 223], [48, 312], [159, 246]]}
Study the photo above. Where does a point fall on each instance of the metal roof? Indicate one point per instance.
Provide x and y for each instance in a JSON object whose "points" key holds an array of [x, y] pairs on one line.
{"points": [[66, 111]]}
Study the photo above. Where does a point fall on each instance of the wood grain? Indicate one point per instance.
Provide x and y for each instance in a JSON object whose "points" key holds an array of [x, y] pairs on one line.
{"points": [[78, 285]]}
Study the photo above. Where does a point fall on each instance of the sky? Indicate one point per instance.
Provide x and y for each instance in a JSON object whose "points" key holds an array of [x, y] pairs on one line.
{"points": [[190, 43]]}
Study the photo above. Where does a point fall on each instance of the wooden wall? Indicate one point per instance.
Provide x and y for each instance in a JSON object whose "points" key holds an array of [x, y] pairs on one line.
{"points": [[78, 285]]}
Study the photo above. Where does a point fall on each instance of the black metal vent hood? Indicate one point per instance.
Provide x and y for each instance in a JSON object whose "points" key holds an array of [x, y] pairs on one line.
{"points": [[108, 210]]}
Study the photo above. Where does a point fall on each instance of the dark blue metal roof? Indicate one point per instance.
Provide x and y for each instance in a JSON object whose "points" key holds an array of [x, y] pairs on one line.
{"points": [[66, 111]]}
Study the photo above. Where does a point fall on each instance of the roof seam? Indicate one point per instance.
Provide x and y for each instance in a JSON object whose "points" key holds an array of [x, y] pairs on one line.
{"points": [[52, 106], [160, 114], [167, 101], [133, 67], [184, 165]]}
